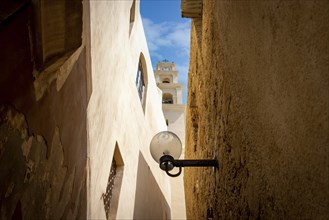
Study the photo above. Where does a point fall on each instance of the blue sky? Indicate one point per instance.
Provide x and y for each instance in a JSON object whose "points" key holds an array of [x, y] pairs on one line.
{"points": [[167, 34]]}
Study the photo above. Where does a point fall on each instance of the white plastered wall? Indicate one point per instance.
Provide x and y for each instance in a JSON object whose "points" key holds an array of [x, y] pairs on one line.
{"points": [[175, 114], [115, 113]]}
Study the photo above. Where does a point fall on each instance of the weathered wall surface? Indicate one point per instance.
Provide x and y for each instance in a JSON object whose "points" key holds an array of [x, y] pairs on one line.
{"points": [[258, 100], [43, 140]]}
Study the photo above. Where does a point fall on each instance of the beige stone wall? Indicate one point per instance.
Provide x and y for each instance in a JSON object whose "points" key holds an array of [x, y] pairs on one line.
{"points": [[258, 100]]}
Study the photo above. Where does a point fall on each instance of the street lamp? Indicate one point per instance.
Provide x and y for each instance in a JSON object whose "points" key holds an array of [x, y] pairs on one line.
{"points": [[166, 148]]}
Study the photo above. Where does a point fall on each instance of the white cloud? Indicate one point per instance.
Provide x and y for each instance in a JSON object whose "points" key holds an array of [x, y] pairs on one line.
{"points": [[157, 55], [167, 34], [180, 36]]}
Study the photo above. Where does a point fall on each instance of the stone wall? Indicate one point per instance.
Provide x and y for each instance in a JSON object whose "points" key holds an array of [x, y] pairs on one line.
{"points": [[258, 100], [43, 135]]}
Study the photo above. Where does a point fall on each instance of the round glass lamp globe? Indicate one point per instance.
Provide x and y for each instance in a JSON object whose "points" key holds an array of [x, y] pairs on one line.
{"points": [[165, 143]]}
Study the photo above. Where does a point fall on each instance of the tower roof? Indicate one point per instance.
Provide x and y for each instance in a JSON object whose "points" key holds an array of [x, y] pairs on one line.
{"points": [[166, 65]]}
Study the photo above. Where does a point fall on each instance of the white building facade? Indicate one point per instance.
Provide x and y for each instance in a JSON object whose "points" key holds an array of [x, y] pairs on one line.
{"points": [[173, 108], [124, 113]]}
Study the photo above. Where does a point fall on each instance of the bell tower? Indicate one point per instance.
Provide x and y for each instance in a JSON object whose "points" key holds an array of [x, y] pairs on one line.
{"points": [[166, 77], [173, 108]]}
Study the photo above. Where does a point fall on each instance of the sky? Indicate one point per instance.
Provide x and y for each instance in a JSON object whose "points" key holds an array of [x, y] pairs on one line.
{"points": [[167, 35]]}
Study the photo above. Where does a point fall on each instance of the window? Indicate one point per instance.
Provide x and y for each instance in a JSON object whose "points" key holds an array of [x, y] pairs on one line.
{"points": [[167, 98], [107, 197], [132, 16], [111, 196], [140, 84], [166, 80], [141, 80]]}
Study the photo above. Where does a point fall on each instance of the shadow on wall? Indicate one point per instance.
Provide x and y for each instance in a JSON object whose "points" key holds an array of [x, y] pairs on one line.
{"points": [[43, 143], [112, 194], [150, 203]]}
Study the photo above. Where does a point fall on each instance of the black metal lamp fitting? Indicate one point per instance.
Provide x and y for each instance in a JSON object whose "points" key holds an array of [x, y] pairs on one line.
{"points": [[166, 146], [168, 163]]}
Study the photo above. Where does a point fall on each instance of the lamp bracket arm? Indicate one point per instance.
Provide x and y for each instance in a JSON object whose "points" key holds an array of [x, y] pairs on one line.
{"points": [[196, 163]]}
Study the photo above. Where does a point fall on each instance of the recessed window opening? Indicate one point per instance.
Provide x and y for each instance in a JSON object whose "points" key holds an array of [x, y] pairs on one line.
{"points": [[166, 80], [110, 184], [111, 196], [132, 15], [141, 80], [140, 84], [167, 98]]}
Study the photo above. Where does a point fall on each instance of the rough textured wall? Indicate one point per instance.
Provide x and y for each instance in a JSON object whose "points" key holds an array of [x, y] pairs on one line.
{"points": [[43, 143], [258, 99]]}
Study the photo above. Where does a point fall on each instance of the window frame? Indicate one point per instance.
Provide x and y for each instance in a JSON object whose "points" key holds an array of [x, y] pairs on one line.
{"points": [[142, 80]]}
